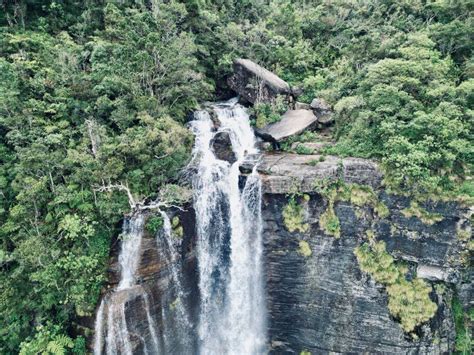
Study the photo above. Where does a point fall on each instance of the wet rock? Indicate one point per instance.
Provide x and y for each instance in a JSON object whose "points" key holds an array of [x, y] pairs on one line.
{"points": [[249, 163], [292, 123], [255, 83], [155, 285], [222, 147]]}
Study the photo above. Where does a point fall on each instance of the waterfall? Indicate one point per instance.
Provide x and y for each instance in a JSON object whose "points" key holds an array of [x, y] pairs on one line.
{"points": [[232, 311], [229, 246], [111, 328], [177, 327]]}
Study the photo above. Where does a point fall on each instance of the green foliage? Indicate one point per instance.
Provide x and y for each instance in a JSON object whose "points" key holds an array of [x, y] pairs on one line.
{"points": [[101, 104], [48, 340], [463, 323], [329, 221], [415, 210], [294, 216], [267, 113], [154, 224], [409, 301], [178, 230], [301, 149], [357, 195], [95, 93]]}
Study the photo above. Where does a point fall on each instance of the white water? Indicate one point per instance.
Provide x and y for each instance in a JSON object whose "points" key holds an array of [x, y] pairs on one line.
{"points": [[111, 329], [229, 247], [129, 255], [177, 327]]}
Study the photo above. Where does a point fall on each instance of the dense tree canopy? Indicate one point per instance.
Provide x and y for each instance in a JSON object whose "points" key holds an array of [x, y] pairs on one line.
{"points": [[95, 93]]}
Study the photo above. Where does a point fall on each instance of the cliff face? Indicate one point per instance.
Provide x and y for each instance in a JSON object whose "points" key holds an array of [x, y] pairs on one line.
{"points": [[319, 300], [323, 302], [318, 297], [150, 307]]}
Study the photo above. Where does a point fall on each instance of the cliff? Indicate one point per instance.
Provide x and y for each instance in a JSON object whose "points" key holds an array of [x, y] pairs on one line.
{"points": [[319, 298]]}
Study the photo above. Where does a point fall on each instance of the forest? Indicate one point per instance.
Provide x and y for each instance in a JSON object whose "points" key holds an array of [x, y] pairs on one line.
{"points": [[95, 97]]}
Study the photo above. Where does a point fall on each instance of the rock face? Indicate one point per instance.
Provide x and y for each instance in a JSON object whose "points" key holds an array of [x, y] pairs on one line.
{"points": [[255, 83], [319, 300], [323, 302], [283, 172], [293, 122], [222, 147], [155, 290]]}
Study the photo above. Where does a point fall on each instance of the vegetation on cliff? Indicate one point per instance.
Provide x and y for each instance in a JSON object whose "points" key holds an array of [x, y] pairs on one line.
{"points": [[94, 95], [409, 301]]}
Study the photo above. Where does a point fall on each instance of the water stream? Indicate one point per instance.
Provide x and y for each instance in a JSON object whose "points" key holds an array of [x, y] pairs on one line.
{"points": [[229, 247], [111, 329], [231, 317]]}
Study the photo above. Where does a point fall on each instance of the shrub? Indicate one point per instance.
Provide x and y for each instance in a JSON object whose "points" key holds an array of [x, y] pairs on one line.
{"points": [[415, 210], [293, 217], [409, 301], [329, 221], [304, 248], [154, 224]]}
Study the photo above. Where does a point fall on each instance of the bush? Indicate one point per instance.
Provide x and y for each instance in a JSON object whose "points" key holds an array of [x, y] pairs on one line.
{"points": [[293, 217], [154, 224], [409, 301]]}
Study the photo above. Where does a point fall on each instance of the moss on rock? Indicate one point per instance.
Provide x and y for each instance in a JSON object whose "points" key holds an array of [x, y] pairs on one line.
{"points": [[415, 210], [409, 301], [329, 221], [293, 216], [304, 248]]}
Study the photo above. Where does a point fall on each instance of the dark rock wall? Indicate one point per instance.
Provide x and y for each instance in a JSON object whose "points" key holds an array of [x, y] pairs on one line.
{"points": [[323, 302], [155, 286]]}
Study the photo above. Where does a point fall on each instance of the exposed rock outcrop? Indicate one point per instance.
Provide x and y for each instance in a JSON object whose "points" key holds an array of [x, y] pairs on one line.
{"points": [[257, 84], [323, 111], [283, 172], [222, 147], [155, 288], [323, 302], [292, 123], [319, 300]]}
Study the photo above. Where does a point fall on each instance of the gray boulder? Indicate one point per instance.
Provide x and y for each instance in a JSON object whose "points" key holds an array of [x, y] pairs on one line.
{"points": [[323, 111], [257, 84], [320, 105], [222, 147], [292, 123]]}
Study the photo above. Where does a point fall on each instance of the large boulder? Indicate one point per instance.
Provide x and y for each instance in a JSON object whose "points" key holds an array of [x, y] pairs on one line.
{"points": [[292, 123], [221, 145], [323, 110], [257, 84]]}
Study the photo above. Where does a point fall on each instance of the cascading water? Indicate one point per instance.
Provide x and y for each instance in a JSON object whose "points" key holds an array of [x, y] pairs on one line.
{"points": [[229, 247], [232, 318], [111, 328], [177, 327]]}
